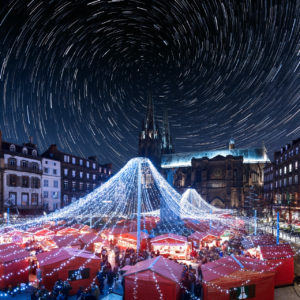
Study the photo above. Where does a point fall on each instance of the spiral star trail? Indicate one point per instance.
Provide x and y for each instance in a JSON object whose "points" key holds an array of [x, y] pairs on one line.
{"points": [[77, 73]]}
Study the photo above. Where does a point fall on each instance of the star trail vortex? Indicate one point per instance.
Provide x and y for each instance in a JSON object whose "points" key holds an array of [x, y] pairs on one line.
{"points": [[77, 73]]}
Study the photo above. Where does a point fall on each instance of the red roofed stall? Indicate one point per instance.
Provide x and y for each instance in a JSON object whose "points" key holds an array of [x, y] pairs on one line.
{"points": [[171, 245], [281, 255], [92, 242], [236, 277], [166, 272], [78, 266], [129, 240], [14, 264], [72, 241]]}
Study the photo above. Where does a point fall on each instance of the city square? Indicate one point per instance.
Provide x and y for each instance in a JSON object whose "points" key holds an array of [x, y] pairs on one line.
{"points": [[149, 150]]}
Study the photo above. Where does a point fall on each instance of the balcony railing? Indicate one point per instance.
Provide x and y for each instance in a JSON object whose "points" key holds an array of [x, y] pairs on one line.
{"points": [[23, 169]]}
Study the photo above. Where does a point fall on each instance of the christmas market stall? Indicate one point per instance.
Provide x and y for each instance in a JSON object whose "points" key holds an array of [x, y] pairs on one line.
{"points": [[78, 266], [72, 241], [171, 245], [91, 242], [43, 234], [142, 280], [237, 277], [67, 231], [14, 265], [282, 256], [129, 240], [203, 239], [112, 234], [251, 243]]}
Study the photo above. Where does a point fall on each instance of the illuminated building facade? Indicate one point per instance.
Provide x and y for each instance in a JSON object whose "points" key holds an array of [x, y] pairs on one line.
{"points": [[281, 187]]}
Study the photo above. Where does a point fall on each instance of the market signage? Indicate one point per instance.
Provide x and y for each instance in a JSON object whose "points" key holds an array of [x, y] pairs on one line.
{"points": [[242, 292], [79, 274]]}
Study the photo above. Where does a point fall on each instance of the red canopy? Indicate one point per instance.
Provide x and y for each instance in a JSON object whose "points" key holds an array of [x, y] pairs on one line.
{"points": [[225, 274], [67, 241], [169, 238], [281, 256], [88, 241], [148, 274], [78, 266], [13, 265], [254, 241]]}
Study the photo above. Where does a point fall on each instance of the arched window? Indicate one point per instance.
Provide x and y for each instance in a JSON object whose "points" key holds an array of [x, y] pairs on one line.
{"points": [[12, 148], [34, 152], [24, 164], [35, 166], [25, 150]]}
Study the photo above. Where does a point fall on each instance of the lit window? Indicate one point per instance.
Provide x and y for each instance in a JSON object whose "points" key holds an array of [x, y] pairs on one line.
{"points": [[80, 162], [87, 164], [285, 169], [94, 176], [66, 158], [276, 184], [81, 174], [296, 165], [87, 176], [280, 171], [94, 166], [66, 184], [73, 173], [284, 182], [73, 160], [290, 180], [54, 195], [65, 172], [296, 179], [297, 150], [290, 167]]}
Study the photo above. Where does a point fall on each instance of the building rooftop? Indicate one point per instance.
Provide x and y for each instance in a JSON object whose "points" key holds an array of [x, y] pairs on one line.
{"points": [[251, 155]]}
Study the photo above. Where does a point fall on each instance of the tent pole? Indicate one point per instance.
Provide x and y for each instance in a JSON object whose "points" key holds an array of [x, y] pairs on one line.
{"points": [[277, 237], [139, 210]]}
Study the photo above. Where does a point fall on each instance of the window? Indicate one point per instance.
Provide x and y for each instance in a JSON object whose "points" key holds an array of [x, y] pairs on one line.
{"points": [[296, 179], [54, 195], [94, 176], [104, 170], [87, 164], [280, 171], [55, 183], [25, 151], [46, 194], [54, 164], [87, 186], [66, 158], [100, 169], [12, 198], [35, 166], [66, 172], [73, 185], [46, 162], [285, 156], [285, 169], [35, 183], [73, 173], [276, 184], [54, 171], [12, 148], [12, 180], [34, 152], [73, 160], [81, 174], [297, 150], [284, 182], [66, 200], [290, 180], [46, 170], [94, 166], [290, 167], [296, 165], [46, 182], [25, 181], [81, 162], [81, 186], [12, 161], [66, 184], [280, 183], [87, 176], [24, 199], [34, 199], [24, 164]]}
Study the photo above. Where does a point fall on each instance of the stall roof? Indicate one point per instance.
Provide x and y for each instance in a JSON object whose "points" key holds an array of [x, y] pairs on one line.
{"points": [[44, 232], [230, 264], [115, 230], [62, 254], [171, 236], [12, 252], [90, 238], [160, 265], [276, 251], [254, 241], [201, 235], [133, 235], [66, 240]]}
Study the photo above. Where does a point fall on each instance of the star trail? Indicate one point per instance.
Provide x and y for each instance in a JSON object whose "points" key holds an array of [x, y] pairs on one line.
{"points": [[77, 73]]}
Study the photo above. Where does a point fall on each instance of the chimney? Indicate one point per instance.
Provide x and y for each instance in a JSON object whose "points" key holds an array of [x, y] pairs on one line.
{"points": [[53, 148], [231, 144]]}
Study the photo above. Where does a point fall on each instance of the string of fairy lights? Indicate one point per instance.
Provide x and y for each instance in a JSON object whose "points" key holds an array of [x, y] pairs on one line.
{"points": [[117, 200]]}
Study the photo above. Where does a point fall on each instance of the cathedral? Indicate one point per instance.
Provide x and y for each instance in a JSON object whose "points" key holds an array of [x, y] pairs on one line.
{"points": [[227, 178]]}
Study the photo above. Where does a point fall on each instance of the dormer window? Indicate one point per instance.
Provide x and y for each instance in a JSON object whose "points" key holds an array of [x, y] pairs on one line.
{"points": [[12, 148], [34, 152], [25, 151]]}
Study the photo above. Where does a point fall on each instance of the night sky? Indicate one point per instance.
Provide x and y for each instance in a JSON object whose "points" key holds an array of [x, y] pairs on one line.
{"points": [[77, 73]]}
